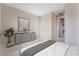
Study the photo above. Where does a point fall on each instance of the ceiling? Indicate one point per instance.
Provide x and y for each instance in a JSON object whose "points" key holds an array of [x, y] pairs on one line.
{"points": [[37, 9]]}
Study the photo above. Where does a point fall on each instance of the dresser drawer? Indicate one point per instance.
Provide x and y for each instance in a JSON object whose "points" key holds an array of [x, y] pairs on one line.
{"points": [[24, 37]]}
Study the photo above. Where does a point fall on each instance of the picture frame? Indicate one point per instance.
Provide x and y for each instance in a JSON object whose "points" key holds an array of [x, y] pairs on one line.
{"points": [[23, 24]]}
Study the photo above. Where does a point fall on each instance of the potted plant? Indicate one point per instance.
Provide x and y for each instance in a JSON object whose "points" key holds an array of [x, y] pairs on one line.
{"points": [[9, 33]]}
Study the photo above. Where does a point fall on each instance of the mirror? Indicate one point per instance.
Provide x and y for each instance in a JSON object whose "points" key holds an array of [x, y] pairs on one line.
{"points": [[23, 24]]}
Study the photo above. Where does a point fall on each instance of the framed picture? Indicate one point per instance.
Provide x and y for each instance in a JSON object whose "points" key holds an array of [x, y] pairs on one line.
{"points": [[23, 24]]}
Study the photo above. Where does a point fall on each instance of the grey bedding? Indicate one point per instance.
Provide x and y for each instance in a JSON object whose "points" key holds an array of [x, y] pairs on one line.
{"points": [[35, 49]]}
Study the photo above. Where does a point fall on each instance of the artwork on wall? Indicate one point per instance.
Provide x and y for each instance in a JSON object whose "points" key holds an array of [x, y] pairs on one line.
{"points": [[23, 24]]}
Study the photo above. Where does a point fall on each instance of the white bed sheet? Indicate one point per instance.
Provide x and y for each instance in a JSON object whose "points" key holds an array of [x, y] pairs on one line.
{"points": [[73, 51]]}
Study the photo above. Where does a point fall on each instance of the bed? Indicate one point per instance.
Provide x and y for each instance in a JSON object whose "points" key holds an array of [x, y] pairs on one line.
{"points": [[59, 49]]}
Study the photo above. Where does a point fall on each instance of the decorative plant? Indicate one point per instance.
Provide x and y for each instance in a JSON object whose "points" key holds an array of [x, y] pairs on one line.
{"points": [[9, 33]]}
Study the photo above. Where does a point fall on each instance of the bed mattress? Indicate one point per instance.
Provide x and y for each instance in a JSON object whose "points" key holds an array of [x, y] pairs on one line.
{"points": [[59, 49]]}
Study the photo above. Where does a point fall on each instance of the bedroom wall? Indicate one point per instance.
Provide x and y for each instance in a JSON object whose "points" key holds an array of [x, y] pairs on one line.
{"points": [[0, 24], [46, 26], [10, 17], [71, 24], [54, 30], [78, 26], [0, 18]]}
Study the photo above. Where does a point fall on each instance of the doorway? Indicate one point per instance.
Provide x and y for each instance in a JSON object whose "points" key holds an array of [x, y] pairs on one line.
{"points": [[60, 28]]}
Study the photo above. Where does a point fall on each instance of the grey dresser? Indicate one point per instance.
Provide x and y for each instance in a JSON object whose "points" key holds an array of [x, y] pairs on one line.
{"points": [[22, 37]]}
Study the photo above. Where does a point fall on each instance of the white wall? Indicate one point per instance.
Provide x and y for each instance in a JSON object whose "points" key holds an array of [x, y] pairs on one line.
{"points": [[0, 18], [54, 30], [46, 26], [0, 24], [10, 19], [71, 24], [78, 24]]}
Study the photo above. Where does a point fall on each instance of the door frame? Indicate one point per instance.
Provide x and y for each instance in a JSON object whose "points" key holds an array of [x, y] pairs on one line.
{"points": [[57, 17]]}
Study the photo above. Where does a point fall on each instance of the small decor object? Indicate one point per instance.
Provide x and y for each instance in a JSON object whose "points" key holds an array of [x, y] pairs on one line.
{"points": [[9, 33]]}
